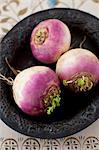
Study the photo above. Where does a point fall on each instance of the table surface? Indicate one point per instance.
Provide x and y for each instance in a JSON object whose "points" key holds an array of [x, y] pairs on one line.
{"points": [[11, 12]]}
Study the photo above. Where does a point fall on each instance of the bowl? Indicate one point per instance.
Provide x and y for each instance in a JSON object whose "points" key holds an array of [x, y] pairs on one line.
{"points": [[77, 111]]}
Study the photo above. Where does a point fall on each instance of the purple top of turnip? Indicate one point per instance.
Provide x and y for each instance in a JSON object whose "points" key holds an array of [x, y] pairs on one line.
{"points": [[78, 69], [36, 90], [49, 39]]}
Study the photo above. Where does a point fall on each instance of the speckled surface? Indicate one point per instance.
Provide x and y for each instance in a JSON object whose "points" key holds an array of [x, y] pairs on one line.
{"points": [[77, 112]]}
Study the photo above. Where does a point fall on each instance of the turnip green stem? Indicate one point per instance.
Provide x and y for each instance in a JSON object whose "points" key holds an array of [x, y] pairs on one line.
{"points": [[80, 83], [55, 103]]}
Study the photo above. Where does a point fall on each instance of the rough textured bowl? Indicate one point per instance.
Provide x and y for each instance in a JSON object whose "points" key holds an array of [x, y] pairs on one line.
{"points": [[77, 111]]}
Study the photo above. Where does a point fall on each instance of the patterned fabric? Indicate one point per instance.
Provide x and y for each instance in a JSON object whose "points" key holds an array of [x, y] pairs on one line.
{"points": [[12, 11], [87, 139]]}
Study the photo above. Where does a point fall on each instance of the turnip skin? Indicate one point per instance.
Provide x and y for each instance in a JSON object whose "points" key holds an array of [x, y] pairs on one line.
{"points": [[78, 69], [32, 90], [49, 39]]}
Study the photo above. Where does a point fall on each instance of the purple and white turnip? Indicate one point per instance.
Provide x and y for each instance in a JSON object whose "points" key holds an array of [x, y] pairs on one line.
{"points": [[50, 39], [78, 69], [36, 90]]}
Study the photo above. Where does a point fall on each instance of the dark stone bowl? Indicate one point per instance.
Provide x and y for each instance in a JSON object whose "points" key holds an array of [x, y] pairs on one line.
{"points": [[77, 111]]}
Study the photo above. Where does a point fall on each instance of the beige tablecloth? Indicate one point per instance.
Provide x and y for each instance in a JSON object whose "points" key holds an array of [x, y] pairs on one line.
{"points": [[11, 12]]}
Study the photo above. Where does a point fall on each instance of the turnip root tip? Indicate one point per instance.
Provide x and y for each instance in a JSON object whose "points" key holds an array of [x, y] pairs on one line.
{"points": [[83, 41], [8, 80], [11, 68]]}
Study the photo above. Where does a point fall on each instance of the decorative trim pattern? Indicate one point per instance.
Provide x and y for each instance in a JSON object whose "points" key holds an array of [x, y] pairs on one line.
{"points": [[71, 143]]}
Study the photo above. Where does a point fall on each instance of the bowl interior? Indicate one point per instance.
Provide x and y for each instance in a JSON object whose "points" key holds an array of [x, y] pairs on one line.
{"points": [[71, 103], [16, 47]]}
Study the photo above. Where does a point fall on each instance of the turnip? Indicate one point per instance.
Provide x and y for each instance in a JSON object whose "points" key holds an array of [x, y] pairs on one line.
{"points": [[36, 90], [49, 39], [78, 69]]}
